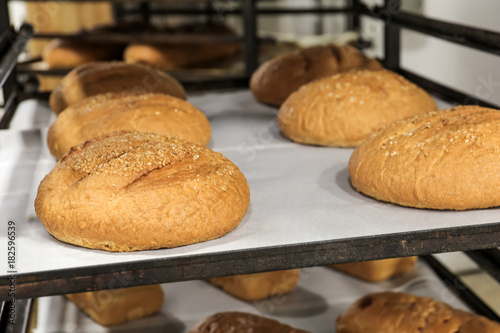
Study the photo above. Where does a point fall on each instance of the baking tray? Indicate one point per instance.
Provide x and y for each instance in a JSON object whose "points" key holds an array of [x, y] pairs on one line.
{"points": [[303, 213], [320, 297]]}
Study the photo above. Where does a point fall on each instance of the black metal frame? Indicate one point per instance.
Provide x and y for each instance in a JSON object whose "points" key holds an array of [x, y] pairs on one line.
{"points": [[475, 240]]}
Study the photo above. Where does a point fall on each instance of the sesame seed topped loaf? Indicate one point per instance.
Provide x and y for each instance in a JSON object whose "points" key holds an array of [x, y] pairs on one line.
{"points": [[391, 312], [241, 322], [106, 113], [344, 109], [449, 159], [114, 76], [131, 191], [277, 78]]}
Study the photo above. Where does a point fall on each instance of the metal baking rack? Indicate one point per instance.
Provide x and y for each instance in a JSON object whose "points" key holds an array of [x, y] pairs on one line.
{"points": [[479, 242]]}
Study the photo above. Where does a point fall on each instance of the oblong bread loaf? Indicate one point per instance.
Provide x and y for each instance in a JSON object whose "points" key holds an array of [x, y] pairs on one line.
{"points": [[114, 76], [132, 191], [390, 312], [278, 78], [105, 113], [378, 270], [449, 159]]}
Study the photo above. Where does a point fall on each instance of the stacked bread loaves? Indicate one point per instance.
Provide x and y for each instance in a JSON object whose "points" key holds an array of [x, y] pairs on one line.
{"points": [[251, 287], [130, 191], [113, 307], [279, 77], [389, 312], [441, 160], [104, 77], [105, 113], [344, 109]]}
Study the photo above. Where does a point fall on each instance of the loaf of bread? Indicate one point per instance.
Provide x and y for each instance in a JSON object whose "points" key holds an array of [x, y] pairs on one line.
{"points": [[344, 109], [113, 307], [103, 77], [251, 287], [390, 312], [448, 159], [168, 56], [378, 270], [107, 113], [69, 53], [278, 78], [225, 322], [131, 191]]}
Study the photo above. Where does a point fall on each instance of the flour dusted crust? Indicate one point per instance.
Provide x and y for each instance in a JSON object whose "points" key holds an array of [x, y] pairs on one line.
{"points": [[137, 191], [225, 322], [344, 109], [378, 270], [106, 113], [114, 76], [390, 312], [448, 159], [279, 77], [117, 306], [257, 286]]}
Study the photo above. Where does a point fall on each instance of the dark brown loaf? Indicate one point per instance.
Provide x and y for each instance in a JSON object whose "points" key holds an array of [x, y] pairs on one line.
{"points": [[106, 113], [389, 312], [137, 191], [241, 322], [442, 160], [378, 270], [103, 77], [113, 307], [257, 286], [277, 78], [344, 109]]}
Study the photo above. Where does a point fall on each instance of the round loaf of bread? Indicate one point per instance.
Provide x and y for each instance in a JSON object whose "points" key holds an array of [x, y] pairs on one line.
{"points": [[391, 312], [106, 113], [449, 159], [344, 109], [102, 77], [132, 191], [277, 78]]}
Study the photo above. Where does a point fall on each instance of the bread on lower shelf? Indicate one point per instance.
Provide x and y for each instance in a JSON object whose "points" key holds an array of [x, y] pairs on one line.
{"points": [[225, 322], [378, 270], [258, 286], [390, 312], [116, 306]]}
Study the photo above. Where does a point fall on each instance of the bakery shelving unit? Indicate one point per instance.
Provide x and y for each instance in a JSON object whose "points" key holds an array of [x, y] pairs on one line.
{"points": [[478, 234]]}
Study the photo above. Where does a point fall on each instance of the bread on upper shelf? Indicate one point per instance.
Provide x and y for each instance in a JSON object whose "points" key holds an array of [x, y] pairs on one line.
{"points": [[276, 79], [449, 159], [344, 109]]}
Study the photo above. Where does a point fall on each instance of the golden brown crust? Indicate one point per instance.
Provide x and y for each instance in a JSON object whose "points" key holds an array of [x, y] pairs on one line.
{"points": [[241, 322], [113, 307], [277, 78], [344, 109], [102, 77], [378, 270], [133, 191], [172, 56], [257, 286], [63, 52], [442, 160], [389, 312], [101, 114]]}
